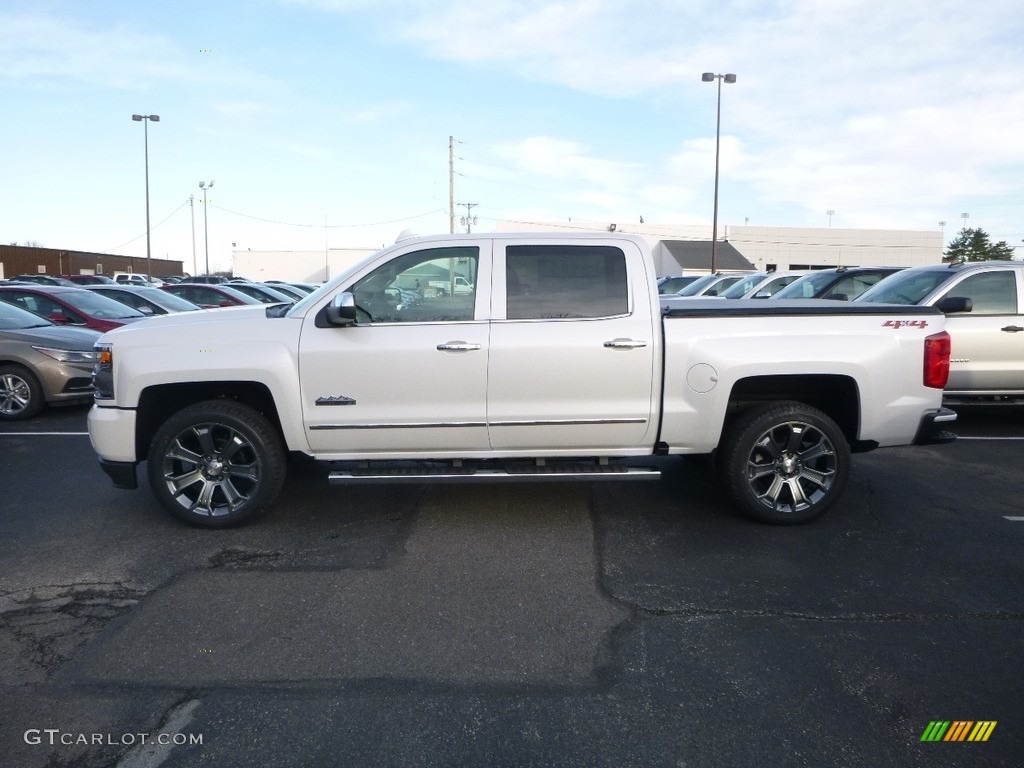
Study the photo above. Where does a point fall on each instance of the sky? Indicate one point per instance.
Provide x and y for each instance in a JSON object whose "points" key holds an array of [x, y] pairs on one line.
{"points": [[326, 123]]}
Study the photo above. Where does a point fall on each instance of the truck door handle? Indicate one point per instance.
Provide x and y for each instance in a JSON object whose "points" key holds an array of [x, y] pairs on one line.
{"points": [[624, 344], [457, 346], [1012, 329]]}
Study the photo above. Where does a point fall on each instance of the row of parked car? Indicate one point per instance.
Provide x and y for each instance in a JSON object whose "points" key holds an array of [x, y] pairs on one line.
{"points": [[49, 326], [845, 283], [983, 303]]}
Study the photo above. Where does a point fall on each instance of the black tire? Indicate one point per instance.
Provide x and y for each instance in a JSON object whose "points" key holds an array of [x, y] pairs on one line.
{"points": [[21, 395], [785, 463], [216, 464]]}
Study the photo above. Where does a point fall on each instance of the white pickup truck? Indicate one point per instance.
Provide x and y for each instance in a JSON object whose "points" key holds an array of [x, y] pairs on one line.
{"points": [[559, 364]]}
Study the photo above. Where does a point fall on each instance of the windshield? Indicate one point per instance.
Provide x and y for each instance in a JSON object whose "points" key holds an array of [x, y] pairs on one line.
{"points": [[263, 294], [907, 287], [164, 299], [14, 318], [743, 285], [331, 285], [100, 307], [672, 284], [808, 286], [698, 285]]}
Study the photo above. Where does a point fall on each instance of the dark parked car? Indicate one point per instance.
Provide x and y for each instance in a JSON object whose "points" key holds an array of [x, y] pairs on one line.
{"points": [[842, 283], [306, 288], [89, 279], [294, 293], [148, 301], [44, 280], [206, 279], [209, 296], [70, 306], [41, 363]]}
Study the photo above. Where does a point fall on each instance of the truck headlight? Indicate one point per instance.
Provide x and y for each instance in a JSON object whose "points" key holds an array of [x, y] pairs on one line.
{"points": [[103, 372]]}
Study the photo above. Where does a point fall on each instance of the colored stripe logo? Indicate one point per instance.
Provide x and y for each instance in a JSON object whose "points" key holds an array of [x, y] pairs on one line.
{"points": [[958, 730]]}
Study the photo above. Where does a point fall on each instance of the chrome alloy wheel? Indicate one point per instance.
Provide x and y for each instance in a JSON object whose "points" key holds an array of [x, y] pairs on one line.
{"points": [[211, 469], [791, 467], [15, 395]]}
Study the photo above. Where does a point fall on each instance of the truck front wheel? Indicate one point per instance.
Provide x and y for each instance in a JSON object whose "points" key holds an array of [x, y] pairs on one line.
{"points": [[784, 463], [216, 463]]}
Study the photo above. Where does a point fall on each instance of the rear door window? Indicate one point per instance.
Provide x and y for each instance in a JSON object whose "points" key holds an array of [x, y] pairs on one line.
{"points": [[565, 281]]}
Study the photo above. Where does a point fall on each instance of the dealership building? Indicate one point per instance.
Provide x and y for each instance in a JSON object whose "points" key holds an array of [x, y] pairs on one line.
{"points": [[676, 249]]}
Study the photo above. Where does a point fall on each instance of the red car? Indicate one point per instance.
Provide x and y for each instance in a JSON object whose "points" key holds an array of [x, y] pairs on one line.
{"points": [[209, 296], [70, 306]]}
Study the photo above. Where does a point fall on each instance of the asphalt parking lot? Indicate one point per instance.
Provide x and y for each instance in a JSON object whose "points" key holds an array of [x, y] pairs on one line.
{"points": [[642, 624]]}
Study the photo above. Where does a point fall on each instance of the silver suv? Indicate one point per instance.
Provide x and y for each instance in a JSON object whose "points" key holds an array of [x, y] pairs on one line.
{"points": [[984, 306]]}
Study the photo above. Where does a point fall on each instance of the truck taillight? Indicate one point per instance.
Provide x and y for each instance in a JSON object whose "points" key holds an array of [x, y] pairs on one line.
{"points": [[937, 348]]}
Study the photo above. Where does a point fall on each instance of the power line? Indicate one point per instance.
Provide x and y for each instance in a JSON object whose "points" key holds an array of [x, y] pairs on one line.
{"points": [[331, 226], [139, 237]]}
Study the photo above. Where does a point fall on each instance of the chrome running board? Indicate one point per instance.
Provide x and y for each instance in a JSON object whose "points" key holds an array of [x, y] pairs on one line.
{"points": [[482, 472]]}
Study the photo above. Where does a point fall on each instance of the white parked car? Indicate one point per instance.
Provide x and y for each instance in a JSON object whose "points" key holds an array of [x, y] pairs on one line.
{"points": [[137, 278], [984, 307]]}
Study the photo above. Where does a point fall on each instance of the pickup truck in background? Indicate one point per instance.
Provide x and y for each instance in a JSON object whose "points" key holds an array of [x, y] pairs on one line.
{"points": [[984, 307], [558, 364]]}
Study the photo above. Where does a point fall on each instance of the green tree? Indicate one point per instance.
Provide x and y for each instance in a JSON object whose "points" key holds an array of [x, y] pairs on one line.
{"points": [[974, 245]]}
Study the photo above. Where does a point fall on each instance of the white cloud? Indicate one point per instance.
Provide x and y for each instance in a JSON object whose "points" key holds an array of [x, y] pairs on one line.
{"points": [[119, 56]]}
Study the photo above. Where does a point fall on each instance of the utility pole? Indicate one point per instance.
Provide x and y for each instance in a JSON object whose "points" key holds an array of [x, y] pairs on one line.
{"points": [[451, 185], [468, 221]]}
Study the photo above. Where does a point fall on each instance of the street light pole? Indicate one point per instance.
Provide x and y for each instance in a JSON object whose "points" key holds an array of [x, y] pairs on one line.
{"points": [[708, 77], [206, 233], [144, 119]]}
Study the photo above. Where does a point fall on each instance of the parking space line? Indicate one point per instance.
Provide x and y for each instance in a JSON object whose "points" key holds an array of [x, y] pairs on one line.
{"points": [[41, 434], [1014, 518], [969, 437]]}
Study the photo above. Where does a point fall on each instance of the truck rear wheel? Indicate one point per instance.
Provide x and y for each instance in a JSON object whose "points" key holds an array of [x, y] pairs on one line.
{"points": [[784, 463], [216, 464]]}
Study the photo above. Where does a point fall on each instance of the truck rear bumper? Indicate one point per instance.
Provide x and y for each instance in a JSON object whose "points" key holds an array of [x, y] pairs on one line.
{"points": [[932, 430]]}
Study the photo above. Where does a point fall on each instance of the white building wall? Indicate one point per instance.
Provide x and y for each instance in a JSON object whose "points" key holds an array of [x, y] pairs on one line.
{"points": [[789, 247]]}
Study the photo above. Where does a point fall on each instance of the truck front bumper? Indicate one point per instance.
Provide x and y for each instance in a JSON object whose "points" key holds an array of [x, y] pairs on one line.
{"points": [[112, 433], [932, 429]]}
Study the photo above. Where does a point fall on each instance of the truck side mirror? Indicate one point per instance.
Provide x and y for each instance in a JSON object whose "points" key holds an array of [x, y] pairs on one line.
{"points": [[342, 310], [950, 304]]}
